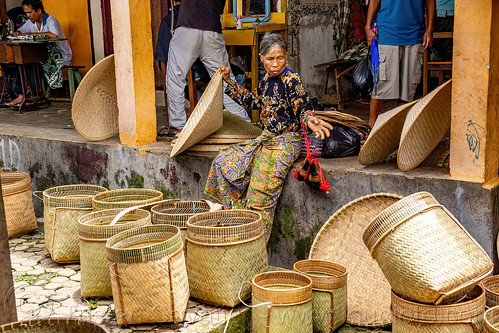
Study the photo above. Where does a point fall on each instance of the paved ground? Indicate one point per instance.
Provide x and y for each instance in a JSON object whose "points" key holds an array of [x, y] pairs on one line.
{"points": [[44, 288]]}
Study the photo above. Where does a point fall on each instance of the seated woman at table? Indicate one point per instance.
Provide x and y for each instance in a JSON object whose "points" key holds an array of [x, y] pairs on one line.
{"points": [[251, 175], [41, 23]]}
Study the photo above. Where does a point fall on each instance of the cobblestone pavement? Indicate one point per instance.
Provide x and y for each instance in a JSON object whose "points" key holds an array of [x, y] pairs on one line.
{"points": [[45, 289]]}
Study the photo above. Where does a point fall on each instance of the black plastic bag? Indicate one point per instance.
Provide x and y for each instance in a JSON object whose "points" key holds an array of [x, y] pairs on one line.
{"points": [[362, 79], [342, 142]]}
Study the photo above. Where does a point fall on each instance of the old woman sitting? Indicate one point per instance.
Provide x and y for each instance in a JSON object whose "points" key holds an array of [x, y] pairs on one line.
{"points": [[251, 175]]}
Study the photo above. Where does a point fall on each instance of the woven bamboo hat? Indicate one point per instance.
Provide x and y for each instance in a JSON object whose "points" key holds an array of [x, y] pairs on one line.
{"points": [[340, 241], [425, 125], [385, 135], [206, 118], [95, 105]]}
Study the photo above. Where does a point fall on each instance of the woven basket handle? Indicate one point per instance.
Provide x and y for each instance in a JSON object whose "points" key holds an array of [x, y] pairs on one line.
{"points": [[214, 206], [247, 305], [36, 193], [128, 210]]}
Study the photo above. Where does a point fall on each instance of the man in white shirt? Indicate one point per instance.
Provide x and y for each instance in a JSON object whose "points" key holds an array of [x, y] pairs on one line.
{"points": [[41, 23]]}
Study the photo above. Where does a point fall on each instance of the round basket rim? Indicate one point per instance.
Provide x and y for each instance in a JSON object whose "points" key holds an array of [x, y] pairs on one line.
{"points": [[189, 224], [495, 311], [155, 207], [110, 245], [334, 281], [90, 186], [307, 288], [101, 212], [128, 191], [51, 320]]}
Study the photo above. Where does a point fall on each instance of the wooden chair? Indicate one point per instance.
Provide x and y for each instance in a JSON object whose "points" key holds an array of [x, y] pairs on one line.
{"points": [[73, 73], [338, 68], [440, 66]]}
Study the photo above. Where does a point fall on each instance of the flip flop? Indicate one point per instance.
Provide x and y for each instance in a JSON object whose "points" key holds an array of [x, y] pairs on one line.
{"points": [[167, 133]]}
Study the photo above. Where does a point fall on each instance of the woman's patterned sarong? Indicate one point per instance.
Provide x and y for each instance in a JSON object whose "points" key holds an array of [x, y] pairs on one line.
{"points": [[250, 175]]}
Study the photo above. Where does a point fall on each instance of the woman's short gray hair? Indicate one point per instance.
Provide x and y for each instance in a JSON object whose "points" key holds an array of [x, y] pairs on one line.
{"points": [[269, 40]]}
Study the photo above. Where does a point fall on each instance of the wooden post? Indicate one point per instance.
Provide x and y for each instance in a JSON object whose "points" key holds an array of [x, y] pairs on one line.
{"points": [[475, 92], [7, 299], [133, 54]]}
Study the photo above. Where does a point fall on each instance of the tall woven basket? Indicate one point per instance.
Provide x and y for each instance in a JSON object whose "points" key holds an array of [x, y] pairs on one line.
{"points": [[492, 320], [424, 252], [18, 202], [148, 275], [329, 285], [177, 213], [282, 303], [224, 249], [94, 230], [463, 317], [125, 198], [491, 286], [53, 325], [63, 206]]}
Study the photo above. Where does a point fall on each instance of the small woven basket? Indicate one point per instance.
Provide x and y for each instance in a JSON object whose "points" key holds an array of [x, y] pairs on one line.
{"points": [[125, 198], [18, 203], [329, 306], [463, 317], [53, 325], [224, 249], [491, 318], [63, 206], [148, 275], [94, 231], [491, 286], [281, 303], [177, 213], [424, 252]]}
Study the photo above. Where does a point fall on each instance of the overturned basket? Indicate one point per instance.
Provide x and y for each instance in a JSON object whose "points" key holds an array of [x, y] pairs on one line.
{"points": [[18, 203], [53, 325], [224, 249], [424, 252], [148, 275], [463, 317], [125, 198], [281, 302], [63, 206], [94, 231], [329, 306]]}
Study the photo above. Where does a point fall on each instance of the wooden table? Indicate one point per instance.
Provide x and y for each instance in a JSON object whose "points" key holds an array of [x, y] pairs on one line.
{"points": [[23, 53]]}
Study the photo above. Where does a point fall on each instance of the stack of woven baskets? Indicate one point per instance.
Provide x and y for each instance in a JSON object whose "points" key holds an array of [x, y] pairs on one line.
{"points": [[491, 286], [432, 264]]}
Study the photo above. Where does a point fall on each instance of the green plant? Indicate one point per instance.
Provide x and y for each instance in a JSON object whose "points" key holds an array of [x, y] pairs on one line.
{"points": [[25, 277], [92, 303]]}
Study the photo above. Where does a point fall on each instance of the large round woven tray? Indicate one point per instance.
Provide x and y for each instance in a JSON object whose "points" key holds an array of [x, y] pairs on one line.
{"points": [[424, 127], [340, 241], [53, 325], [95, 105], [385, 135]]}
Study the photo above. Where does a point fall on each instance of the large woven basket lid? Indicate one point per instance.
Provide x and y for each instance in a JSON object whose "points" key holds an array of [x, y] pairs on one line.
{"points": [[425, 125], [235, 127], [206, 118], [54, 325], [340, 241], [95, 105], [385, 135]]}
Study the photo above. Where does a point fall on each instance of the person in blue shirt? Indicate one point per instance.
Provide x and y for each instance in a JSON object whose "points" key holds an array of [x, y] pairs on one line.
{"points": [[402, 36]]}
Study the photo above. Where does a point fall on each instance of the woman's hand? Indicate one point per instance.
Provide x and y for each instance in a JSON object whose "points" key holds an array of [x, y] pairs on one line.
{"points": [[319, 127], [225, 71]]}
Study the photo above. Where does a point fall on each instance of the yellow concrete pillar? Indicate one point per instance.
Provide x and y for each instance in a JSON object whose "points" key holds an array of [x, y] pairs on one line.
{"points": [[475, 92], [133, 53]]}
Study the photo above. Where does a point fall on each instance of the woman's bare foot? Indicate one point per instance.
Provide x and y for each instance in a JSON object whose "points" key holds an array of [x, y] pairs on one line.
{"points": [[17, 101]]}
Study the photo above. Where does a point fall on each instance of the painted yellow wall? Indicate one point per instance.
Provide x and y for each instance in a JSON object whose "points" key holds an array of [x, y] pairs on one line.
{"points": [[73, 16]]}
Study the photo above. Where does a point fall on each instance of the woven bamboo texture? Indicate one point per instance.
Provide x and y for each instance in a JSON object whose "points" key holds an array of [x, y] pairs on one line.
{"points": [[235, 127], [329, 285], [53, 325], [463, 317], [224, 249], [95, 105], [94, 230], [491, 286], [424, 252], [288, 296], [206, 118], [491, 318], [425, 125], [125, 198], [384, 137], [148, 275], [18, 202], [63, 206], [340, 241]]}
